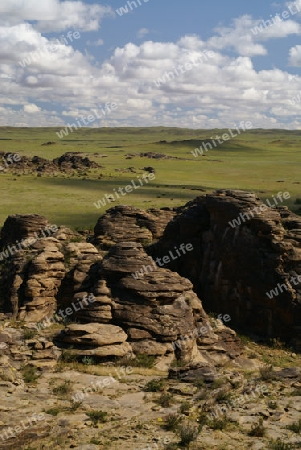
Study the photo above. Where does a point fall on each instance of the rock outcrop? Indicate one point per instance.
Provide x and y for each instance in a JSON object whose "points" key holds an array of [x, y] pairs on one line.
{"points": [[96, 340], [67, 163], [234, 267], [245, 257], [126, 223]]}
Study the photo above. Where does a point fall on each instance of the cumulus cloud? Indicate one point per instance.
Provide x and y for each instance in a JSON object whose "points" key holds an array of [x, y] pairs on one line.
{"points": [[238, 37], [217, 92], [295, 56], [31, 108], [55, 15]]}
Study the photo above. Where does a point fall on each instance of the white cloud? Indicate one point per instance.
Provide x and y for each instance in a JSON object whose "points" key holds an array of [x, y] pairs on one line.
{"points": [[31, 108], [142, 32], [295, 56], [238, 37], [220, 91], [55, 15]]}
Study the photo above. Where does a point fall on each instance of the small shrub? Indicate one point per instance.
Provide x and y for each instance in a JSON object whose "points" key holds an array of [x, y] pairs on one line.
{"points": [[97, 416], [295, 427], [276, 343], [223, 396], [29, 334], [202, 419], [218, 424], [88, 360], [266, 372], [63, 389], [95, 441], [217, 383], [258, 430], [172, 421], [74, 405], [29, 374], [279, 445], [155, 385], [188, 433], [146, 361], [184, 408], [53, 411], [67, 356], [171, 446], [245, 340], [272, 405], [202, 395], [165, 400], [199, 383]]}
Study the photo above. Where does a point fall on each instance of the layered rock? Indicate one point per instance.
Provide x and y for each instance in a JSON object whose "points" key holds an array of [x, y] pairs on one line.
{"points": [[233, 267], [47, 272], [19, 227], [95, 339], [126, 223], [44, 276], [155, 306], [98, 310]]}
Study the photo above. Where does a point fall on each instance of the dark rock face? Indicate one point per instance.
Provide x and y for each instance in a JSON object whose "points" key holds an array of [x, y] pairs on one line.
{"points": [[126, 223], [70, 161], [18, 227], [233, 268]]}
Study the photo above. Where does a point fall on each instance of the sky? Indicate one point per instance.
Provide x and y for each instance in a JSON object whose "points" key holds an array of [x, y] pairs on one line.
{"points": [[178, 63]]}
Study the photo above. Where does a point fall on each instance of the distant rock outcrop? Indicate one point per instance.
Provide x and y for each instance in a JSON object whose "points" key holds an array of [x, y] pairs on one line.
{"points": [[68, 162]]}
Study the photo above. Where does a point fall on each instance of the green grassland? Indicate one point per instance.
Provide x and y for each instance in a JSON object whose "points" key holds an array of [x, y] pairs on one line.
{"points": [[262, 161]]}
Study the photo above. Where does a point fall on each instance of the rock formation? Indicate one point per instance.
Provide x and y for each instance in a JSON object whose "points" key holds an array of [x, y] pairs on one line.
{"points": [[233, 268], [126, 223], [68, 162]]}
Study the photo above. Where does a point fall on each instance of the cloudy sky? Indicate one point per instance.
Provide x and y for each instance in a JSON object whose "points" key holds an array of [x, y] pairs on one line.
{"points": [[186, 63]]}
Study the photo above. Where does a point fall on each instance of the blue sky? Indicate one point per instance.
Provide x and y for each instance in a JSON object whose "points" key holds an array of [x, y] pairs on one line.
{"points": [[167, 62]]}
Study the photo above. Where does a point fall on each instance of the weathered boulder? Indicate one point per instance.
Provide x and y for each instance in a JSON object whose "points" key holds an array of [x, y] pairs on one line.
{"points": [[126, 223], [96, 339]]}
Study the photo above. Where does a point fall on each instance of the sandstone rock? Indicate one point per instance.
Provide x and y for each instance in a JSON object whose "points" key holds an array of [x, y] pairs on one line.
{"points": [[92, 335], [18, 227], [233, 268], [126, 223]]}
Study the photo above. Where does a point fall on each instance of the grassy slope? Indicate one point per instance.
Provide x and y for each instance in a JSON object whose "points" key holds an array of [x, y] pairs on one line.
{"points": [[256, 160]]}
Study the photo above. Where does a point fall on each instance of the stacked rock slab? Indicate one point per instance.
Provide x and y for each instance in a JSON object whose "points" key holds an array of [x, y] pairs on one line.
{"points": [[155, 307], [99, 308], [33, 268], [126, 223], [45, 273], [233, 266], [99, 340]]}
